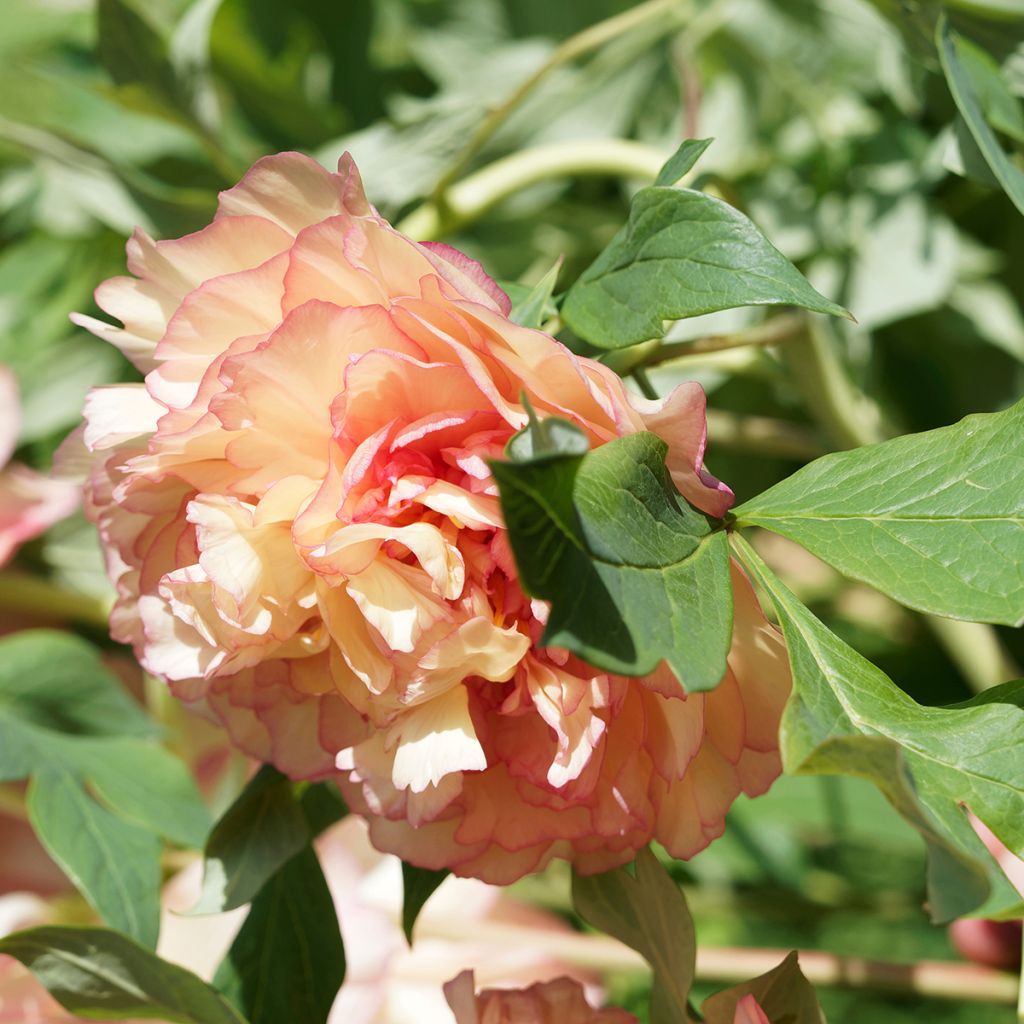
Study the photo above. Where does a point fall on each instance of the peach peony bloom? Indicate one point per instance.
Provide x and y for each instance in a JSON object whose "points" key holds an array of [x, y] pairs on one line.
{"points": [[30, 503], [307, 543], [551, 1002]]}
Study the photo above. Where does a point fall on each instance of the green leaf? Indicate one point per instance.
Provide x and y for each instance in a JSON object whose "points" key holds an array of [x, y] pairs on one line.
{"points": [[551, 437], [322, 805], [146, 785], [634, 574], [970, 77], [649, 914], [105, 975], [418, 885], [935, 520], [58, 682], [846, 717], [114, 864], [261, 831], [68, 724], [288, 961], [535, 306], [783, 993], [681, 254], [682, 161]]}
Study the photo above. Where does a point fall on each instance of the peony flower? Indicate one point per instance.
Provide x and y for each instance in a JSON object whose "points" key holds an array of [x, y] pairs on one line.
{"points": [[307, 544], [552, 1002], [30, 503]]}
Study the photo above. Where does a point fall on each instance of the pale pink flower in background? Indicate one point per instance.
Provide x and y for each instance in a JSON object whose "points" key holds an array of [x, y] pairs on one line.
{"points": [[465, 923], [30, 503], [307, 543], [551, 1002]]}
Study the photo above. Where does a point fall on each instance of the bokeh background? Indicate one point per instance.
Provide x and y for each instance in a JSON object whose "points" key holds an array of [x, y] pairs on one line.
{"points": [[833, 130]]}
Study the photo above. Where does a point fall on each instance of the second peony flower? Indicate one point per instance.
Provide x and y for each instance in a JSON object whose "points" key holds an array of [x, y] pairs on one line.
{"points": [[308, 546]]}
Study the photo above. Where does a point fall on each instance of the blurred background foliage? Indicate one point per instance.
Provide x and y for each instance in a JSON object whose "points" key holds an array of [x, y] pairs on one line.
{"points": [[834, 130]]}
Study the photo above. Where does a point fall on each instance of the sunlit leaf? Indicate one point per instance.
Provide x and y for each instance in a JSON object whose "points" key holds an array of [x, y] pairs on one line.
{"points": [[935, 520], [682, 253], [846, 717]]}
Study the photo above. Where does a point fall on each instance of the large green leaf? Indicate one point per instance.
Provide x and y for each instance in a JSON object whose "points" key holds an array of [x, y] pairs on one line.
{"points": [[681, 254], [935, 520], [649, 914], [259, 833], [783, 993], [100, 974], [846, 717], [58, 682], [975, 83], [288, 961], [633, 573], [101, 791], [114, 864], [146, 784]]}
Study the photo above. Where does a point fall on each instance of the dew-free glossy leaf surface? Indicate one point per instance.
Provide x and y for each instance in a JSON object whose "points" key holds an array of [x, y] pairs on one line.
{"points": [[935, 520], [105, 975], [260, 832], [288, 961], [114, 864], [682, 253], [846, 717], [633, 573]]}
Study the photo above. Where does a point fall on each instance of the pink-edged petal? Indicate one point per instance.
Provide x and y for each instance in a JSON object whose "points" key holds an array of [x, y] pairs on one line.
{"points": [[680, 421], [467, 276], [30, 504], [293, 191]]}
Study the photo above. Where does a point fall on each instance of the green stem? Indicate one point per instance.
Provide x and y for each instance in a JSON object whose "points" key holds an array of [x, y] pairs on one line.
{"points": [[852, 419], [846, 414], [475, 195], [763, 435], [772, 332], [39, 598], [644, 383], [584, 42]]}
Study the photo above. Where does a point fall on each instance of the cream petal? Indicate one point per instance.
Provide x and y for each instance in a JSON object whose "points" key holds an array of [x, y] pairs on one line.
{"points": [[116, 413], [434, 740], [397, 601]]}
